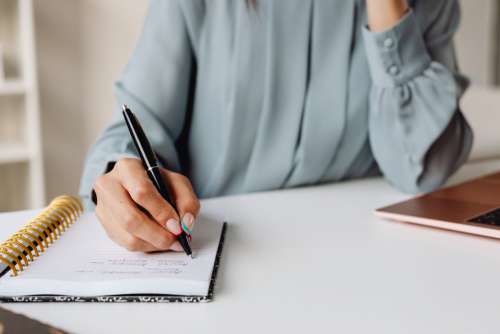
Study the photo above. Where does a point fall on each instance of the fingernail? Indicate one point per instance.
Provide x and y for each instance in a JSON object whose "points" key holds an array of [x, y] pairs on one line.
{"points": [[173, 227], [176, 247], [188, 221]]}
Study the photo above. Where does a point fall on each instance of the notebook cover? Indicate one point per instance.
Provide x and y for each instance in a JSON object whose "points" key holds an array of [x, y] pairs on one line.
{"points": [[11, 323], [129, 298]]}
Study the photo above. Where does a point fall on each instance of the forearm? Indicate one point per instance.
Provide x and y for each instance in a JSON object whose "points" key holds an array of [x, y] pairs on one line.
{"points": [[417, 133], [447, 154], [384, 14], [115, 143]]}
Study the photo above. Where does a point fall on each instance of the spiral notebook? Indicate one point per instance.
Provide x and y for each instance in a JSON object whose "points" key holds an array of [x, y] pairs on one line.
{"points": [[60, 254]]}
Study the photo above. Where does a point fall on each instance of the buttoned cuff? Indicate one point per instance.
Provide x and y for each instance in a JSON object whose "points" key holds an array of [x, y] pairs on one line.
{"points": [[398, 54]]}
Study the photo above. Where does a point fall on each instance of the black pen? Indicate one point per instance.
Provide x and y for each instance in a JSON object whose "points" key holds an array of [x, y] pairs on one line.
{"points": [[150, 162]]}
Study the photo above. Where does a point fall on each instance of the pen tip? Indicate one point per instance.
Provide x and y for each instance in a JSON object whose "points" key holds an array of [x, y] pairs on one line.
{"points": [[124, 107], [191, 256]]}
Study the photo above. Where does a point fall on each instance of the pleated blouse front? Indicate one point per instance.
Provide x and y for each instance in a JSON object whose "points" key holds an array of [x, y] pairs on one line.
{"points": [[292, 93]]}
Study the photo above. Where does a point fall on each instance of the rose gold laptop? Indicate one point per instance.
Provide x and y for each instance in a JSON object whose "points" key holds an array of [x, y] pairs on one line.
{"points": [[471, 207]]}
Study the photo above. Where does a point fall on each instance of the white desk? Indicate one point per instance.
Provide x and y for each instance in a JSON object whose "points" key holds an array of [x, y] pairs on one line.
{"points": [[316, 259]]}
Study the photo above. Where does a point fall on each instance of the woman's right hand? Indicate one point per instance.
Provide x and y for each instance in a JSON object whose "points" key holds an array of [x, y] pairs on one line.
{"points": [[119, 195]]}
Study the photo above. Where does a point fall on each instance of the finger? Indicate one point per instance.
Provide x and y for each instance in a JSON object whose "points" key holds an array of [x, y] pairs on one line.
{"points": [[129, 218], [126, 240], [141, 226], [135, 179], [183, 195], [131, 243], [176, 247], [119, 236]]}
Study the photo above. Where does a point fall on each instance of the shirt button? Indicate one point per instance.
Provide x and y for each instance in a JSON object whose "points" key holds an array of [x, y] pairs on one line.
{"points": [[393, 70], [388, 43]]}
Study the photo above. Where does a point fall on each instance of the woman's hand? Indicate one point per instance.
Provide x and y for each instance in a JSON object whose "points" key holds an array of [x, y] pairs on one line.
{"points": [[384, 14], [119, 193]]}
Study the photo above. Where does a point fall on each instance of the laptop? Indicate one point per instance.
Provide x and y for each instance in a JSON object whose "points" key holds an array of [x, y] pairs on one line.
{"points": [[472, 207]]}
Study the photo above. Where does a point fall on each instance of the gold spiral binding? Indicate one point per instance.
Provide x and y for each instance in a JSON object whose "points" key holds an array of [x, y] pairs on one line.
{"points": [[20, 237], [31, 240], [37, 236], [52, 221]]}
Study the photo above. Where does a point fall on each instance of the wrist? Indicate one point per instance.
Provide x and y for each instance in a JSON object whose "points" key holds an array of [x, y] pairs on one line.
{"points": [[384, 14]]}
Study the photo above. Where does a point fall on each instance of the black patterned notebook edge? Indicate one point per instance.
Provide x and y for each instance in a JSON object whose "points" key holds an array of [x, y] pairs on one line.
{"points": [[142, 298]]}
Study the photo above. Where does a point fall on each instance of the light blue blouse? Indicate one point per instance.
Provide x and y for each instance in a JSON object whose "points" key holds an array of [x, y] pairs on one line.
{"points": [[291, 93]]}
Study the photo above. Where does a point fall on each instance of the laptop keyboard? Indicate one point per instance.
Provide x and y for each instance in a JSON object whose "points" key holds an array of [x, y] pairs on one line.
{"points": [[489, 218]]}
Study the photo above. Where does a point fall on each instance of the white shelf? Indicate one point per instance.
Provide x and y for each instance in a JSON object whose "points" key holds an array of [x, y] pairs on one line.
{"points": [[21, 133], [15, 152], [12, 87]]}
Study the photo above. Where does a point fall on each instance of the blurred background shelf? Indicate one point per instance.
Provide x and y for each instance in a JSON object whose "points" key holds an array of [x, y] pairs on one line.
{"points": [[21, 164], [14, 153], [12, 87]]}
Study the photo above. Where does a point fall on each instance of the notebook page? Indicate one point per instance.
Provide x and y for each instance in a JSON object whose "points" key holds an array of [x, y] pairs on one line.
{"points": [[11, 222], [84, 261]]}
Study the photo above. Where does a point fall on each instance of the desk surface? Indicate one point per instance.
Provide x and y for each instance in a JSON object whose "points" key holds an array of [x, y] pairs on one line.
{"points": [[325, 263]]}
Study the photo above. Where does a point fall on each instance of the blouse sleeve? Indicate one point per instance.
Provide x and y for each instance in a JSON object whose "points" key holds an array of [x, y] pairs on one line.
{"points": [[155, 86], [418, 134]]}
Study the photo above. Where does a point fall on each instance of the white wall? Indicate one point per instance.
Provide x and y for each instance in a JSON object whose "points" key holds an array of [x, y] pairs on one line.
{"points": [[84, 44], [475, 40], [82, 47]]}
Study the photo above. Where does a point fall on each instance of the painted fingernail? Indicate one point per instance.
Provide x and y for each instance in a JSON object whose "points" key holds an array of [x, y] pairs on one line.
{"points": [[173, 227], [188, 223], [176, 247]]}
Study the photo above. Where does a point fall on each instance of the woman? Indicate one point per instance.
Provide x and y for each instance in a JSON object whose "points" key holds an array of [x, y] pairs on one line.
{"points": [[242, 96]]}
